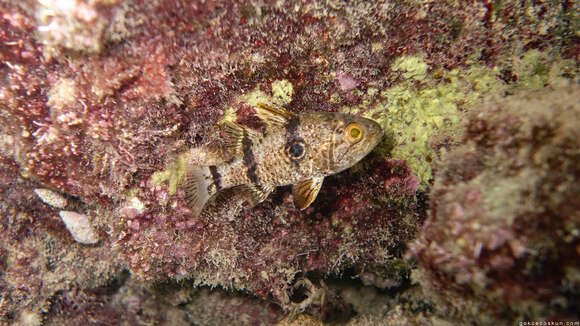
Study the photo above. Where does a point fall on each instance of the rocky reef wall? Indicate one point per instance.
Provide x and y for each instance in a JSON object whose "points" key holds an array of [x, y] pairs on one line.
{"points": [[470, 196]]}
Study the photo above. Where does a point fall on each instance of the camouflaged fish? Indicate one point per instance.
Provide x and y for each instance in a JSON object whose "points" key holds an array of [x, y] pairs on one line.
{"points": [[293, 149]]}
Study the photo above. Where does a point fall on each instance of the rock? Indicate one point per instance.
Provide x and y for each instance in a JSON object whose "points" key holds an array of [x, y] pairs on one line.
{"points": [[51, 198], [79, 227]]}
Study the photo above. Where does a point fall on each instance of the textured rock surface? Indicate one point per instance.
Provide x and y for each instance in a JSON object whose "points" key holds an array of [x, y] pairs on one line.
{"points": [[100, 98], [79, 226], [503, 237]]}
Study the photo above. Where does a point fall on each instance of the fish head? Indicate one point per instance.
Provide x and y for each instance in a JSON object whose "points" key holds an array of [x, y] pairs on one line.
{"points": [[341, 140], [353, 138]]}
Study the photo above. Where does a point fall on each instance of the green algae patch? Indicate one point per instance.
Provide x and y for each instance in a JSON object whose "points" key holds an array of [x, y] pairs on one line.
{"points": [[411, 67], [536, 69], [422, 103], [172, 175], [254, 98], [282, 92]]}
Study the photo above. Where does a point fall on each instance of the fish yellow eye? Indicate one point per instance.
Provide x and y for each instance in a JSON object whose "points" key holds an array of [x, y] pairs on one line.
{"points": [[354, 132]]}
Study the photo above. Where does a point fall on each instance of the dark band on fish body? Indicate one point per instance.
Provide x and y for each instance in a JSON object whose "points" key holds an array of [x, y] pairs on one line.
{"points": [[292, 134], [292, 129], [216, 177], [249, 159]]}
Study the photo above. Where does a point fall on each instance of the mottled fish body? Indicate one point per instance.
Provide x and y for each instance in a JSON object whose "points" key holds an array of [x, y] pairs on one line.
{"points": [[293, 149]]}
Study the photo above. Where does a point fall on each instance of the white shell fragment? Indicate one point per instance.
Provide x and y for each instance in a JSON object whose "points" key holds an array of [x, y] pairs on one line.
{"points": [[79, 227], [51, 198]]}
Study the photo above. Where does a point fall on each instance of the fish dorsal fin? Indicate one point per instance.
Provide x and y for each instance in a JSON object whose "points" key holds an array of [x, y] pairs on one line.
{"points": [[306, 191], [235, 134], [273, 116]]}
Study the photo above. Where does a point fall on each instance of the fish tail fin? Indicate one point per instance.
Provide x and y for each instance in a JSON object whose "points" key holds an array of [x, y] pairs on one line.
{"points": [[198, 190]]}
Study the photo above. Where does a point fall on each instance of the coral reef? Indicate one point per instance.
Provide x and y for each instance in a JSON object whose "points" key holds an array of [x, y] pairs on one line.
{"points": [[501, 242], [99, 99]]}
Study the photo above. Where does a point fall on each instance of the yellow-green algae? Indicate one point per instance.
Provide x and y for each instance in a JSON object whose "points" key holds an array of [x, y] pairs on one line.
{"points": [[423, 103], [282, 92], [172, 175]]}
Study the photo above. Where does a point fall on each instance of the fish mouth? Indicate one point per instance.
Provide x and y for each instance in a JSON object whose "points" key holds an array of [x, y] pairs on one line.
{"points": [[375, 133]]}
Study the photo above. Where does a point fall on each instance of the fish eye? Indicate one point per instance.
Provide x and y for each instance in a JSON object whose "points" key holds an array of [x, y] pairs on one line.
{"points": [[354, 132], [295, 149]]}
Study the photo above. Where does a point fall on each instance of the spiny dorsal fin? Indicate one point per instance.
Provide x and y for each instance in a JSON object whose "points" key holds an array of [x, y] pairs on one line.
{"points": [[273, 116], [235, 134], [255, 194], [306, 191], [196, 186]]}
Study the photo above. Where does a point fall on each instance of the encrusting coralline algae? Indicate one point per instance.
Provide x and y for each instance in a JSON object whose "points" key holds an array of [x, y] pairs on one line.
{"points": [[102, 101]]}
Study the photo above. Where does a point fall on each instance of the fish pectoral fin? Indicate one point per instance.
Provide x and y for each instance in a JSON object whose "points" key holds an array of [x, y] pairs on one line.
{"points": [[273, 116], [255, 194], [197, 187], [306, 191]]}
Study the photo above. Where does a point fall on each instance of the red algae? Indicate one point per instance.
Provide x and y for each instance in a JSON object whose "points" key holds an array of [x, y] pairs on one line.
{"points": [[98, 96], [504, 259]]}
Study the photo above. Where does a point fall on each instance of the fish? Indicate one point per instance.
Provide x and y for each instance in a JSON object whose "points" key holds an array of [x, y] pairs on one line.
{"points": [[291, 149]]}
